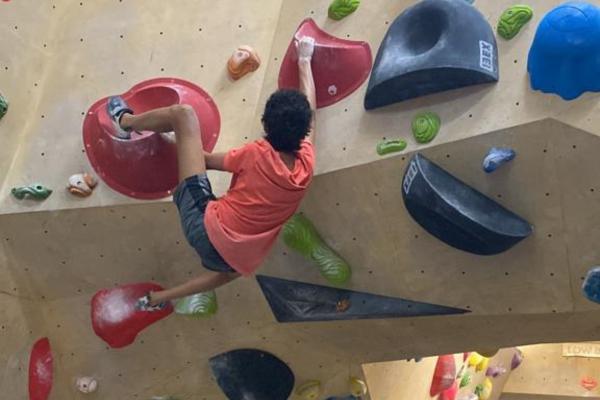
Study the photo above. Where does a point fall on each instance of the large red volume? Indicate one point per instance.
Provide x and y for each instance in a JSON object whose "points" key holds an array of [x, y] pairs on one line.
{"points": [[339, 66], [145, 166], [40, 370], [114, 317], [444, 375], [449, 394]]}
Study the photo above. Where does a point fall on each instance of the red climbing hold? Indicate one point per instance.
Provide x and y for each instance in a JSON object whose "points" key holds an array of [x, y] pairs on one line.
{"points": [[114, 317], [40, 370], [449, 394], [444, 375], [339, 66], [145, 166]]}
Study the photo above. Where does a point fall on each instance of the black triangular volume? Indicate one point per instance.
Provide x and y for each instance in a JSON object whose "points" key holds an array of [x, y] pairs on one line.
{"points": [[456, 213], [293, 301], [252, 374], [433, 46]]}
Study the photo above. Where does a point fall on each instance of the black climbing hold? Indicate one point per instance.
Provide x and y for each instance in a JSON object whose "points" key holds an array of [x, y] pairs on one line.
{"points": [[293, 301], [456, 213], [247, 374], [433, 46]]}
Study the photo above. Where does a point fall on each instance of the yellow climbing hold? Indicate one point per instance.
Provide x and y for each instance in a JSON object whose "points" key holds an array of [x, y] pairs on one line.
{"points": [[358, 388], [310, 390], [484, 390], [482, 366], [425, 127], [474, 359]]}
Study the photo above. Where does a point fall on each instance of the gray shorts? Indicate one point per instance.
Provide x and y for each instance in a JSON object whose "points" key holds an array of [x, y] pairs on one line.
{"points": [[192, 197]]}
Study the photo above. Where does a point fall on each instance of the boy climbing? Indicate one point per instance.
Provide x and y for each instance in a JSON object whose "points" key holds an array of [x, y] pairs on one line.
{"points": [[233, 234]]}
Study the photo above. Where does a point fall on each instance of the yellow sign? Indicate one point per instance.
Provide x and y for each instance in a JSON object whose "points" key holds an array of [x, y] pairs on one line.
{"points": [[581, 350]]}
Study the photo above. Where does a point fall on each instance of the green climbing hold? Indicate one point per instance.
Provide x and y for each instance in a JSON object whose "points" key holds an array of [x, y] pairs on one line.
{"points": [[3, 106], [342, 8], [425, 127], [36, 192], [465, 380], [513, 19], [198, 305], [300, 234], [390, 146]]}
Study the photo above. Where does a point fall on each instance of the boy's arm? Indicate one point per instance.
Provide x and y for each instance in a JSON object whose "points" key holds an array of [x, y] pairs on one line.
{"points": [[215, 161], [306, 47]]}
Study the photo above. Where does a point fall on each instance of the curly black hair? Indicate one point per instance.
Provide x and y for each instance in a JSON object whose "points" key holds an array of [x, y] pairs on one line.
{"points": [[286, 120]]}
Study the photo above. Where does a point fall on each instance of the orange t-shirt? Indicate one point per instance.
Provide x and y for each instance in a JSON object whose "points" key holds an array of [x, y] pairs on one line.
{"points": [[264, 193]]}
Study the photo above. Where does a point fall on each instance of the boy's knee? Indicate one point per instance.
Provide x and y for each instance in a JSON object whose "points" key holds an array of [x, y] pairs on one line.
{"points": [[182, 111]]}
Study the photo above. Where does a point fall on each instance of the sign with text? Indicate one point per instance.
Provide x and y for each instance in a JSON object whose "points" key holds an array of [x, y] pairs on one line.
{"points": [[581, 350]]}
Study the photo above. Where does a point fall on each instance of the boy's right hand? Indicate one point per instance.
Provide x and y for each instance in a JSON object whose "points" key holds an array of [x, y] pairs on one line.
{"points": [[305, 48]]}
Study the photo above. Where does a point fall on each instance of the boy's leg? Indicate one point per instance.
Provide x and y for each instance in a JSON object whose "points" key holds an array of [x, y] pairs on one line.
{"points": [[202, 283], [183, 121]]}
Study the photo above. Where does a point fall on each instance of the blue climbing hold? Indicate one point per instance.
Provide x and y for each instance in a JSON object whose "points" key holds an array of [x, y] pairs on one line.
{"points": [[496, 157], [591, 285], [564, 56]]}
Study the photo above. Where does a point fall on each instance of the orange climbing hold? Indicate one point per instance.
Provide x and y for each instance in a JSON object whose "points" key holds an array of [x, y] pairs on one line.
{"points": [[82, 185], [243, 61]]}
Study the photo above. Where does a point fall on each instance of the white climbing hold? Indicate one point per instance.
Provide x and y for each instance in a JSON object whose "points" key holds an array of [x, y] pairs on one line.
{"points": [[82, 184], [332, 90], [87, 384]]}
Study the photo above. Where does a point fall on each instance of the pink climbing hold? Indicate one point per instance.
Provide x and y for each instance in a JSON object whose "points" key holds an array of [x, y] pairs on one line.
{"points": [[339, 66], [444, 375], [114, 317], [516, 360], [495, 371], [449, 394], [40, 370], [145, 166]]}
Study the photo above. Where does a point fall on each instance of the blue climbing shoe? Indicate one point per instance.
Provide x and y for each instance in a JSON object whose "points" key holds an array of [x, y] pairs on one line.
{"points": [[496, 157], [144, 304], [116, 108]]}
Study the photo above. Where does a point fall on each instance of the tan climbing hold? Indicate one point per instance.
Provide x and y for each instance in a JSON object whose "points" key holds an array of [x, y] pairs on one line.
{"points": [[243, 61], [82, 184]]}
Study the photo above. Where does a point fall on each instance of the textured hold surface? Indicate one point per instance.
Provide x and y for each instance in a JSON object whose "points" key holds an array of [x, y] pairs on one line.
{"points": [[433, 46], [3, 106], [40, 370], [497, 157], [198, 305], [310, 390], [114, 317], [340, 66], [252, 374], [340, 9], [513, 19], [591, 285], [300, 234], [444, 375], [391, 146], [562, 58], [457, 214], [243, 61], [425, 127], [293, 301], [35, 192]]}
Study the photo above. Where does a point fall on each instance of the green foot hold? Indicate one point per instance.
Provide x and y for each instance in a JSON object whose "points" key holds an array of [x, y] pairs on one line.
{"points": [[425, 127], [300, 234], [465, 380], [36, 192], [390, 146], [342, 8], [513, 19], [3, 106], [199, 305]]}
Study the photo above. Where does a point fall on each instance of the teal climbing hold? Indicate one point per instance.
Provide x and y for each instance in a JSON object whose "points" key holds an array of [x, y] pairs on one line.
{"points": [[342, 8], [198, 305], [391, 146], [513, 19], [36, 192], [3, 106], [425, 127], [300, 234]]}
